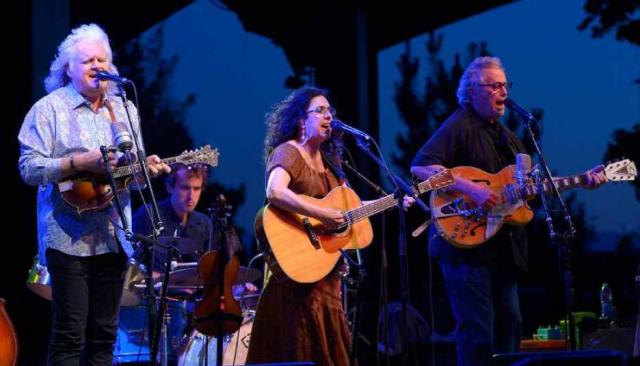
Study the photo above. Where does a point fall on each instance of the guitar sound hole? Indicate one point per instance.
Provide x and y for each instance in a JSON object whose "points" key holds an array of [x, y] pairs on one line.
{"points": [[341, 229]]}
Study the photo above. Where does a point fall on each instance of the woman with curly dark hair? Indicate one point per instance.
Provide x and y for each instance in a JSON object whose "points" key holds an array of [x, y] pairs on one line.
{"points": [[305, 322]]}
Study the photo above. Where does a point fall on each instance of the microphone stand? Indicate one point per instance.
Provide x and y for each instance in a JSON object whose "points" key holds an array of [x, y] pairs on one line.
{"points": [[161, 321], [114, 190], [401, 189], [145, 243], [219, 220], [361, 272], [561, 241], [156, 223]]}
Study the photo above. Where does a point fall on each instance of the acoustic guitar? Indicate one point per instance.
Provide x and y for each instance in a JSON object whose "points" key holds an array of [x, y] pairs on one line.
{"points": [[302, 250], [465, 225], [88, 191]]}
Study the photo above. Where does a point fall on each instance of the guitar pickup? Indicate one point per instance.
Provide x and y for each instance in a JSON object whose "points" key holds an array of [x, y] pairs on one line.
{"points": [[310, 233]]}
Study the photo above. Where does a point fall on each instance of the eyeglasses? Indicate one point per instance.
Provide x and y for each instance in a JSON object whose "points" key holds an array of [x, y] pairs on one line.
{"points": [[323, 111], [498, 85]]}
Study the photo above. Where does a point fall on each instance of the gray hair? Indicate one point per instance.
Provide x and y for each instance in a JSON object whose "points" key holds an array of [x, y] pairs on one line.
{"points": [[58, 77], [472, 76]]}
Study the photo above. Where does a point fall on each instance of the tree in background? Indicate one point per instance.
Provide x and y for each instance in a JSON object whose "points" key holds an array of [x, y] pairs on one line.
{"points": [[625, 144], [623, 17], [163, 118], [606, 15]]}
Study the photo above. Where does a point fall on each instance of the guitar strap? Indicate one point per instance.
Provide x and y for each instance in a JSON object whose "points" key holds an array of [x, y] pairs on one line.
{"points": [[333, 166], [112, 115]]}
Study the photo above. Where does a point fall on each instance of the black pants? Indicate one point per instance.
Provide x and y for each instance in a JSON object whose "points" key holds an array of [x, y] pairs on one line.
{"points": [[86, 295]]}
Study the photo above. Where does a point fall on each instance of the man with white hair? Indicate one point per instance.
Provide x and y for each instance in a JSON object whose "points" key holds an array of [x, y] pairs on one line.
{"points": [[85, 252], [481, 282]]}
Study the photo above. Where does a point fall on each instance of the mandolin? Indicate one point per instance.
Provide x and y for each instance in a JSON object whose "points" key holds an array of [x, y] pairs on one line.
{"points": [[90, 191]]}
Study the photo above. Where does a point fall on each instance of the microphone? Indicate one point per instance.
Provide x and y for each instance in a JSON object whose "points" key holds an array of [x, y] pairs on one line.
{"points": [[104, 75], [515, 107], [523, 168], [121, 136], [337, 124]]}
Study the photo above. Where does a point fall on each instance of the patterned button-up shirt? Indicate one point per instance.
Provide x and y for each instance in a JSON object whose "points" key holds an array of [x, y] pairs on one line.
{"points": [[58, 125]]}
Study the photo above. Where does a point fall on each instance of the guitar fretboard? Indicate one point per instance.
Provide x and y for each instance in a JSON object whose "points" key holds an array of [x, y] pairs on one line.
{"points": [[382, 204], [562, 183], [370, 208], [127, 170]]}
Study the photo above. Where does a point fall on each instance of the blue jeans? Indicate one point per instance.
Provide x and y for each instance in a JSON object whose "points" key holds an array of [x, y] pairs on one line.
{"points": [[484, 302], [86, 295]]}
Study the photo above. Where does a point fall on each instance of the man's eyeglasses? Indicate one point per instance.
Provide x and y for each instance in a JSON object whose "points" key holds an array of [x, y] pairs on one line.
{"points": [[498, 85], [323, 111]]}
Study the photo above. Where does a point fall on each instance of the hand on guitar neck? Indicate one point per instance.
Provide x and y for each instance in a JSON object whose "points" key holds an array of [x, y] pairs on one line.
{"points": [[595, 177], [92, 161], [88, 161]]}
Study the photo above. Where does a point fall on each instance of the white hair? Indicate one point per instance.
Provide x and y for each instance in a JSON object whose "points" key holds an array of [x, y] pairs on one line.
{"points": [[58, 77], [473, 76]]}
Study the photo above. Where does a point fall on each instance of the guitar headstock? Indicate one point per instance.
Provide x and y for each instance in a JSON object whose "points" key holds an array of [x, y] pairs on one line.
{"points": [[441, 179], [621, 170], [203, 155]]}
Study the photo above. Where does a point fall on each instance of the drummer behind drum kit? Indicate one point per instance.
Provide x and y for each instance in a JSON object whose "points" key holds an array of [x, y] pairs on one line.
{"points": [[133, 339]]}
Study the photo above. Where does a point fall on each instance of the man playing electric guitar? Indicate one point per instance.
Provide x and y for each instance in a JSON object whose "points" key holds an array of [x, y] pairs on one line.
{"points": [[481, 282]]}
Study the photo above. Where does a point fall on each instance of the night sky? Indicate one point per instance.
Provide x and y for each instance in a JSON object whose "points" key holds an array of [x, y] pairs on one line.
{"points": [[584, 86]]}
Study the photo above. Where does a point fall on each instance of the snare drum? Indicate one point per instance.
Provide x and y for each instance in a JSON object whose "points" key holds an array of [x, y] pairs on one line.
{"points": [[234, 347], [132, 343]]}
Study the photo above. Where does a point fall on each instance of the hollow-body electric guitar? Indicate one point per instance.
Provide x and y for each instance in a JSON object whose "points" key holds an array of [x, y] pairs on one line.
{"points": [[462, 223]]}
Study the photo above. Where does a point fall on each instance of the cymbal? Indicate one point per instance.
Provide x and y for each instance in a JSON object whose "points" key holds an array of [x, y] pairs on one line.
{"points": [[39, 281], [131, 292], [189, 277]]}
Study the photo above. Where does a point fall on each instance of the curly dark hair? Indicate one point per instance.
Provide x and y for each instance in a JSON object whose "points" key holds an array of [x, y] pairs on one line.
{"points": [[282, 122]]}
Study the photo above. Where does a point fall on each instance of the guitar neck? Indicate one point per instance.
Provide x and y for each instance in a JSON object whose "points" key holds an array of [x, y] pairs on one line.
{"points": [[132, 169], [384, 203], [371, 208], [562, 183]]}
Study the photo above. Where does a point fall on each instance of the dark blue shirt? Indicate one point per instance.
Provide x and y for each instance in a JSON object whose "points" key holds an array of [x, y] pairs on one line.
{"points": [[196, 232], [465, 139]]}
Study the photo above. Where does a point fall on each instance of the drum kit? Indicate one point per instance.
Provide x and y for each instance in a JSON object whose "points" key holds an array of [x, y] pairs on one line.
{"points": [[183, 342]]}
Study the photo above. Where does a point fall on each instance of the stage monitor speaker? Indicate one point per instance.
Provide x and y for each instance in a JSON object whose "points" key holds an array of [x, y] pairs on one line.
{"points": [[565, 358]]}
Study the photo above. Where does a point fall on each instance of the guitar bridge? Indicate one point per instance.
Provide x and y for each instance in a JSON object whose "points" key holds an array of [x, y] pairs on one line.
{"points": [[310, 233], [456, 207]]}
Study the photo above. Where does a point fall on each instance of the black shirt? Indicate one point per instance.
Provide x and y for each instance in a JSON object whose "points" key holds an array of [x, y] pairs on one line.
{"points": [[197, 229], [465, 139]]}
